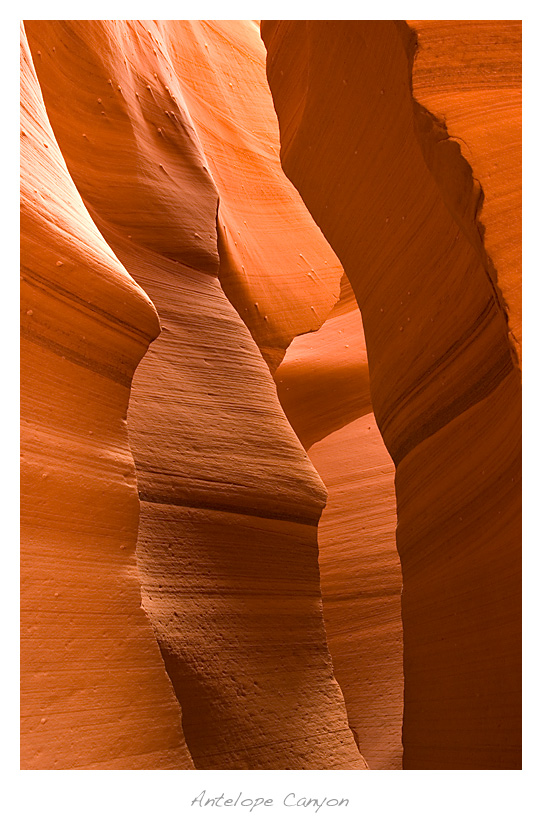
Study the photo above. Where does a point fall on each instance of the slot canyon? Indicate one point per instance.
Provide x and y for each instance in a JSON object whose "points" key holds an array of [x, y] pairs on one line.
{"points": [[270, 395]]}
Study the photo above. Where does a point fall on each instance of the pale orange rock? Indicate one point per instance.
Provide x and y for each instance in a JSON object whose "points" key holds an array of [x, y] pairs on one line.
{"points": [[227, 545], [166, 188], [275, 265], [323, 382], [323, 385], [94, 690], [190, 101], [361, 585]]}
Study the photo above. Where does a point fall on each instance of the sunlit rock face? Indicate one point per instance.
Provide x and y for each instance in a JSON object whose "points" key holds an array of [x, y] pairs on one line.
{"points": [[230, 503], [398, 205], [94, 691], [270, 395]]}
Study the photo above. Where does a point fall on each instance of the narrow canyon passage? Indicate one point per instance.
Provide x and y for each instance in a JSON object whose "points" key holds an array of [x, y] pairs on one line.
{"points": [[323, 387], [272, 409]]}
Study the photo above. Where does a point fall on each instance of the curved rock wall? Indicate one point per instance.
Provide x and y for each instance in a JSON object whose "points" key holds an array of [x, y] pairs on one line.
{"points": [[444, 382], [94, 691], [275, 265], [469, 74], [323, 386], [159, 188], [361, 585], [227, 545], [323, 382]]}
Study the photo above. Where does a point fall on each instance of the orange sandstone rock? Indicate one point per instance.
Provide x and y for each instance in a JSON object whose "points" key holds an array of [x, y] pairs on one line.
{"points": [[361, 585], [444, 383], [162, 180], [468, 72], [323, 382], [323, 385], [94, 691], [275, 265], [230, 502]]}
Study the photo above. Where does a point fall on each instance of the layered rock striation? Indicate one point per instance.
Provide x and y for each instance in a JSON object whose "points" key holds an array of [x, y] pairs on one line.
{"points": [[468, 73], [222, 329], [396, 204], [227, 547], [94, 690], [323, 386]]}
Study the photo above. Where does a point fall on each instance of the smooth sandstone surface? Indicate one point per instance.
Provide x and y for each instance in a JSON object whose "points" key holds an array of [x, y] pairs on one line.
{"points": [[398, 208], [227, 546], [323, 386], [469, 74], [94, 690], [276, 267], [323, 381], [154, 208], [361, 585]]}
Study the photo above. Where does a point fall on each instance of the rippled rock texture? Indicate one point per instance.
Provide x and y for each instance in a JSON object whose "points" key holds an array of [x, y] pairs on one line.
{"points": [[95, 694], [399, 205], [270, 395]]}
